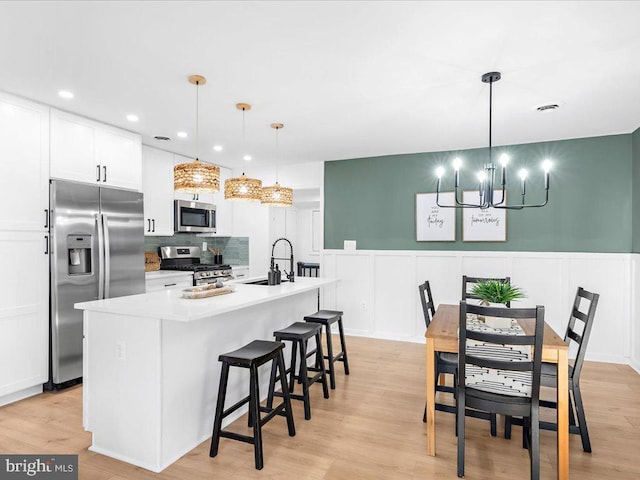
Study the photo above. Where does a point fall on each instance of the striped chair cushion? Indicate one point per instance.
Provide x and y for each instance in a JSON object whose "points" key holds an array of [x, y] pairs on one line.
{"points": [[505, 382]]}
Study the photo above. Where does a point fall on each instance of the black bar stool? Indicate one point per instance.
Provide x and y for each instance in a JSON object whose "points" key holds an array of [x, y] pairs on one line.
{"points": [[299, 334], [251, 356], [328, 318]]}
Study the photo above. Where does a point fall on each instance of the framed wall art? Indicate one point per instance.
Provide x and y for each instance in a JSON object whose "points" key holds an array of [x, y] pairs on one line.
{"points": [[434, 223], [483, 225]]}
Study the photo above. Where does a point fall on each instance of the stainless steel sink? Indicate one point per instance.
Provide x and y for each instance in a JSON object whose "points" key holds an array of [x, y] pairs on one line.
{"points": [[263, 282]]}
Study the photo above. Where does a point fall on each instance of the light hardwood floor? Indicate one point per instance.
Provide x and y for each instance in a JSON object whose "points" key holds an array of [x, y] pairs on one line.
{"points": [[370, 428]]}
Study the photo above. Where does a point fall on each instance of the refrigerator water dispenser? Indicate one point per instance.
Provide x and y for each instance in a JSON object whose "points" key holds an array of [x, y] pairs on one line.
{"points": [[79, 254]]}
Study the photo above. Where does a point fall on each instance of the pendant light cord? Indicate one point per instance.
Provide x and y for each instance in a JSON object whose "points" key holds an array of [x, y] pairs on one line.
{"points": [[197, 116], [277, 154], [490, 118]]}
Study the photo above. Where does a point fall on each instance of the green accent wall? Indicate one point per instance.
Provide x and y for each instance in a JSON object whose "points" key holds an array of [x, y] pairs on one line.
{"points": [[372, 200], [635, 139]]}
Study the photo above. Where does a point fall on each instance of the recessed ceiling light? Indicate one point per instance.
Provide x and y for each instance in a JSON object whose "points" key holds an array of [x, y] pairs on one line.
{"points": [[132, 117], [217, 148], [162, 138], [547, 108], [65, 94], [247, 157], [182, 134]]}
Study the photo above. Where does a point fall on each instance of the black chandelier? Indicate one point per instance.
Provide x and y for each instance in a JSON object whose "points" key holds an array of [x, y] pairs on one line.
{"points": [[486, 177]]}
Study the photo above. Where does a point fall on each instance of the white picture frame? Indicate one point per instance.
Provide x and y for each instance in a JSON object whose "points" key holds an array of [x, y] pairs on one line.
{"points": [[483, 225], [434, 223]]}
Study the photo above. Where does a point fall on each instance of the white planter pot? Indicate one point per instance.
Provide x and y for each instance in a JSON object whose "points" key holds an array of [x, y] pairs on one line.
{"points": [[497, 322]]}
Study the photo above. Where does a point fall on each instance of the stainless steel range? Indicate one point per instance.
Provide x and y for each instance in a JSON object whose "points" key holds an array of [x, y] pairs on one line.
{"points": [[187, 259]]}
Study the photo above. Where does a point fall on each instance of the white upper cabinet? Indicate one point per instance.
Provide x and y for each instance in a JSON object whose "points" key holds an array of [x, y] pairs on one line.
{"points": [[119, 157], [24, 165], [224, 208], [87, 151], [157, 186]]}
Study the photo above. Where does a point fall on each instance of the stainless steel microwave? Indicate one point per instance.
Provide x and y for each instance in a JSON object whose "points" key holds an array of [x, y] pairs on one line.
{"points": [[194, 217]]}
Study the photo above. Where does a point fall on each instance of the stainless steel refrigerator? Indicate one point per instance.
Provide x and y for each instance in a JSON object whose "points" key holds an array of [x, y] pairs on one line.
{"points": [[97, 251]]}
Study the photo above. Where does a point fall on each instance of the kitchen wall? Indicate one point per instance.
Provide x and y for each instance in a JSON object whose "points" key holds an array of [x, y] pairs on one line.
{"points": [[635, 142], [584, 237], [235, 250], [372, 200]]}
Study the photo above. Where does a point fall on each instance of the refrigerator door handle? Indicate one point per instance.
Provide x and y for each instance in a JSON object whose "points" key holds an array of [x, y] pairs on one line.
{"points": [[100, 256], [107, 255]]}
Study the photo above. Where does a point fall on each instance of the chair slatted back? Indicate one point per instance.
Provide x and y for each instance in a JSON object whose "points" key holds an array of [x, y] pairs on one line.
{"points": [[428, 307], [470, 281], [583, 320], [504, 353]]}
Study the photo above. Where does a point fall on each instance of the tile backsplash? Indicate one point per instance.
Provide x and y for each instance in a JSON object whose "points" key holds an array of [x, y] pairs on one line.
{"points": [[235, 250]]}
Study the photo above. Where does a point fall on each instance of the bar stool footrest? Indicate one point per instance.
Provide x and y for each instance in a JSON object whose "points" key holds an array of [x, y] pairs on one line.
{"points": [[235, 407], [236, 436]]}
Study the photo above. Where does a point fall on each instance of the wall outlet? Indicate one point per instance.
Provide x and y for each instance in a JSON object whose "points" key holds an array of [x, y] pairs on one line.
{"points": [[204, 247], [349, 245], [363, 305], [121, 350]]}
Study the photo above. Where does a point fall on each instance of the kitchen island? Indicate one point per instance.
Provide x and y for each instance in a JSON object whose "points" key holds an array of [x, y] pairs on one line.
{"points": [[151, 370]]}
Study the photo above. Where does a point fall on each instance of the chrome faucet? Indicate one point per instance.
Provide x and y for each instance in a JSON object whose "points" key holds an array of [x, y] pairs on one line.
{"points": [[290, 275]]}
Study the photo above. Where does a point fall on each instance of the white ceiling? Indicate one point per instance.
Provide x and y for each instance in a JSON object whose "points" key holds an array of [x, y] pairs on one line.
{"points": [[347, 79]]}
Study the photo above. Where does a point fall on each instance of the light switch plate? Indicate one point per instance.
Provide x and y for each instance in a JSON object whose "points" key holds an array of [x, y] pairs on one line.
{"points": [[349, 244]]}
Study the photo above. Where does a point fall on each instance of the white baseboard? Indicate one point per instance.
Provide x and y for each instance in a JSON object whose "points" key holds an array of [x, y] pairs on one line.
{"points": [[635, 365]]}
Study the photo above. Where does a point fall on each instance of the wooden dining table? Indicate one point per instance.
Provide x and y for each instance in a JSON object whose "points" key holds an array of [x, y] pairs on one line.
{"points": [[442, 336]]}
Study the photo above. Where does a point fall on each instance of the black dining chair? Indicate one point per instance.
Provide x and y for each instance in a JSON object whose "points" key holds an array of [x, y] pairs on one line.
{"points": [[446, 363], [469, 282], [578, 331], [499, 372]]}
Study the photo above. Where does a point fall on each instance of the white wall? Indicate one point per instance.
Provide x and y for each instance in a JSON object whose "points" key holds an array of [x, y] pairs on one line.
{"points": [[379, 290], [265, 224]]}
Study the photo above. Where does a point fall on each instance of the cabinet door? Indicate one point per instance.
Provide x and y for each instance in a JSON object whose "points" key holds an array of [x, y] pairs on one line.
{"points": [[119, 158], [24, 164], [157, 186], [224, 208], [24, 311], [73, 148], [200, 197]]}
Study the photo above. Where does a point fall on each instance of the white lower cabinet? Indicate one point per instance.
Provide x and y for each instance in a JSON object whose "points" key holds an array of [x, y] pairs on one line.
{"points": [[161, 280], [24, 314], [240, 272]]}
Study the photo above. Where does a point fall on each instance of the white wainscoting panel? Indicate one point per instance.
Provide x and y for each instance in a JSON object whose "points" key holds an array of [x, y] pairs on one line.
{"points": [[635, 312], [394, 297], [379, 291], [354, 296]]}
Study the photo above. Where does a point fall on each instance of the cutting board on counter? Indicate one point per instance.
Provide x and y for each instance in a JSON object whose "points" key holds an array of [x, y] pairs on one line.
{"points": [[151, 261]]}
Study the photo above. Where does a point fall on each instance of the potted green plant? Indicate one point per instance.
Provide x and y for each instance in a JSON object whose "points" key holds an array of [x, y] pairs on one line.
{"points": [[496, 293]]}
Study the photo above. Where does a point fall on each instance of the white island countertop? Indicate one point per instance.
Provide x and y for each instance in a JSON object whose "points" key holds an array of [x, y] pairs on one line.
{"points": [[169, 304]]}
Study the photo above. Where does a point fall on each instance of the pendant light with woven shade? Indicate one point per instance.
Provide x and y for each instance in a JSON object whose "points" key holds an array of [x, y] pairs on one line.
{"points": [[277, 195], [243, 187], [196, 176]]}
